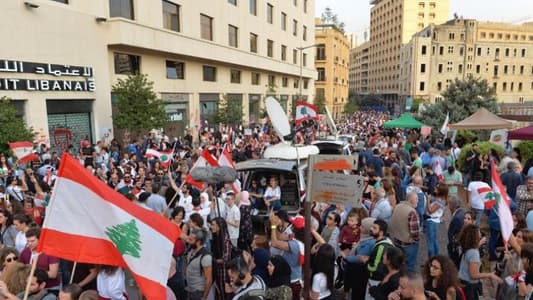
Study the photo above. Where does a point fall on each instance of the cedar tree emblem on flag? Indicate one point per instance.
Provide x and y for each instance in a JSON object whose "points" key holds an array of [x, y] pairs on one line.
{"points": [[126, 237]]}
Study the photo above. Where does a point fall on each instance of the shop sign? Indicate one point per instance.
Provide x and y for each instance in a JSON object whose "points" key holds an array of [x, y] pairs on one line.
{"points": [[23, 84]]}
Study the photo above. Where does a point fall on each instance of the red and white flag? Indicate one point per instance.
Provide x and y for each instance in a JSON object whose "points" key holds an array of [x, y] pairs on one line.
{"points": [[305, 111], [164, 157], [23, 151], [204, 160], [87, 221], [226, 160], [503, 204]]}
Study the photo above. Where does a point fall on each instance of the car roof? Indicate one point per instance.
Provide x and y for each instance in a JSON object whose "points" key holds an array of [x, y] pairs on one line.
{"points": [[289, 152], [277, 164]]}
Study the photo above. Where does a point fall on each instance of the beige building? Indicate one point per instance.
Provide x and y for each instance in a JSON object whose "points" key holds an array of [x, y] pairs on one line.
{"points": [[332, 62], [498, 52], [359, 69], [392, 23], [60, 58]]}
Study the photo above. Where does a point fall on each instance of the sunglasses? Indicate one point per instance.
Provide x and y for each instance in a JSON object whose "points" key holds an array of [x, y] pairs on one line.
{"points": [[11, 259]]}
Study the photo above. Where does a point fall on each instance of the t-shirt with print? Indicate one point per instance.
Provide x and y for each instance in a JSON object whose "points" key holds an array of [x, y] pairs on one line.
{"points": [[476, 189]]}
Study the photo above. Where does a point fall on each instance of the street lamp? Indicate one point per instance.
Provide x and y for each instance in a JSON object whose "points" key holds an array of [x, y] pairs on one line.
{"points": [[300, 82]]}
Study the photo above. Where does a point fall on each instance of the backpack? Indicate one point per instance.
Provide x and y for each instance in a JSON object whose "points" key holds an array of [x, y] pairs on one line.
{"points": [[203, 252], [460, 293]]}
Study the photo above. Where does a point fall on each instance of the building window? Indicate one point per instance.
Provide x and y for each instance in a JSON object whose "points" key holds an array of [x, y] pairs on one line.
{"points": [[175, 70], [210, 73], [321, 52], [253, 7], [519, 86], [479, 51], [521, 70], [171, 16], [206, 24], [296, 83], [283, 53], [61, 1], [284, 82], [478, 69], [460, 69], [270, 13], [256, 78], [235, 76], [422, 86], [440, 68], [432, 5], [304, 34], [423, 68], [421, 5], [523, 52], [504, 86], [234, 2], [424, 50], [305, 6], [233, 36], [271, 80], [506, 52], [304, 58], [126, 64], [505, 69], [306, 83], [450, 49], [295, 2], [441, 50], [495, 72], [451, 36], [294, 56], [495, 86], [294, 27], [270, 48], [439, 86], [121, 9], [321, 74], [253, 43], [283, 21]]}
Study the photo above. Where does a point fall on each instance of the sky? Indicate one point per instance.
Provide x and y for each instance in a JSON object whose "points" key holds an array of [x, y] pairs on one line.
{"points": [[356, 13]]}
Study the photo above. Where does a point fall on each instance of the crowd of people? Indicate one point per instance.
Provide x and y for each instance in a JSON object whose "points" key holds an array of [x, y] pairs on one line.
{"points": [[367, 251]]}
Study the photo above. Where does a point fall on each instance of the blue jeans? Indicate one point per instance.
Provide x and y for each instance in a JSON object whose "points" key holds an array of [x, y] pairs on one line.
{"points": [[479, 215], [431, 237], [495, 236], [411, 252]]}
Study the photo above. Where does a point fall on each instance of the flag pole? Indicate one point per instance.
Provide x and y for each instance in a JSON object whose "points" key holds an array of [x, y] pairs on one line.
{"points": [[73, 271], [30, 277]]}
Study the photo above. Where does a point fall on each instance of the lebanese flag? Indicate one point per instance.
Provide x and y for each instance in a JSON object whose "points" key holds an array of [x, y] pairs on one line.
{"points": [[226, 160], [444, 129], [23, 151], [164, 157], [486, 194], [503, 204], [88, 222], [438, 171], [204, 160], [305, 111]]}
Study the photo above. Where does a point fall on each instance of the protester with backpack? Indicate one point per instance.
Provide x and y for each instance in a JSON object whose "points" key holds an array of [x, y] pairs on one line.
{"points": [[374, 262], [199, 272]]}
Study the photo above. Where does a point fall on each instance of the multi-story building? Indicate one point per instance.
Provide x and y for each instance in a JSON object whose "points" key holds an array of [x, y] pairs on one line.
{"points": [[59, 59], [359, 72], [331, 62], [501, 53], [392, 23]]}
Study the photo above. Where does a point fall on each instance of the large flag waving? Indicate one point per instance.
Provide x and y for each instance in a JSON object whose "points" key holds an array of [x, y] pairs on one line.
{"points": [[89, 222], [164, 157], [503, 204], [444, 129], [305, 111], [23, 151], [226, 160], [204, 160]]}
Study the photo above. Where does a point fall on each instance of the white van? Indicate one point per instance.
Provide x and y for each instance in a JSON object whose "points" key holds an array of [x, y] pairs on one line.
{"points": [[285, 162]]}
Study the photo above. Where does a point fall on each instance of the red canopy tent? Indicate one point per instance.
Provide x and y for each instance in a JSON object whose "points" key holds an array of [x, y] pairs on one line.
{"points": [[525, 133]]}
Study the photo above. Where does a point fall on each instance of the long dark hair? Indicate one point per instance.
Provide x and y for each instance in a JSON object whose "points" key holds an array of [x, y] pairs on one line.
{"points": [[324, 262], [282, 272], [220, 238], [8, 216], [449, 272]]}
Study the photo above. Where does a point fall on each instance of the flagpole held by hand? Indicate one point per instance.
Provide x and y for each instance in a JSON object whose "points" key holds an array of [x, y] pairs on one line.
{"points": [[73, 271], [32, 272]]}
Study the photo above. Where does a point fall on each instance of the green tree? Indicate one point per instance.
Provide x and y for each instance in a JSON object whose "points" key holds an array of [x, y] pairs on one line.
{"points": [[320, 103], [351, 106], [138, 108], [12, 128], [371, 100], [229, 111], [330, 18], [461, 99]]}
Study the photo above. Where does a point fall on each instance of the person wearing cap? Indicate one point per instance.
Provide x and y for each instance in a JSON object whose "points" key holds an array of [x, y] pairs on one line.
{"points": [[198, 273], [292, 250]]}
